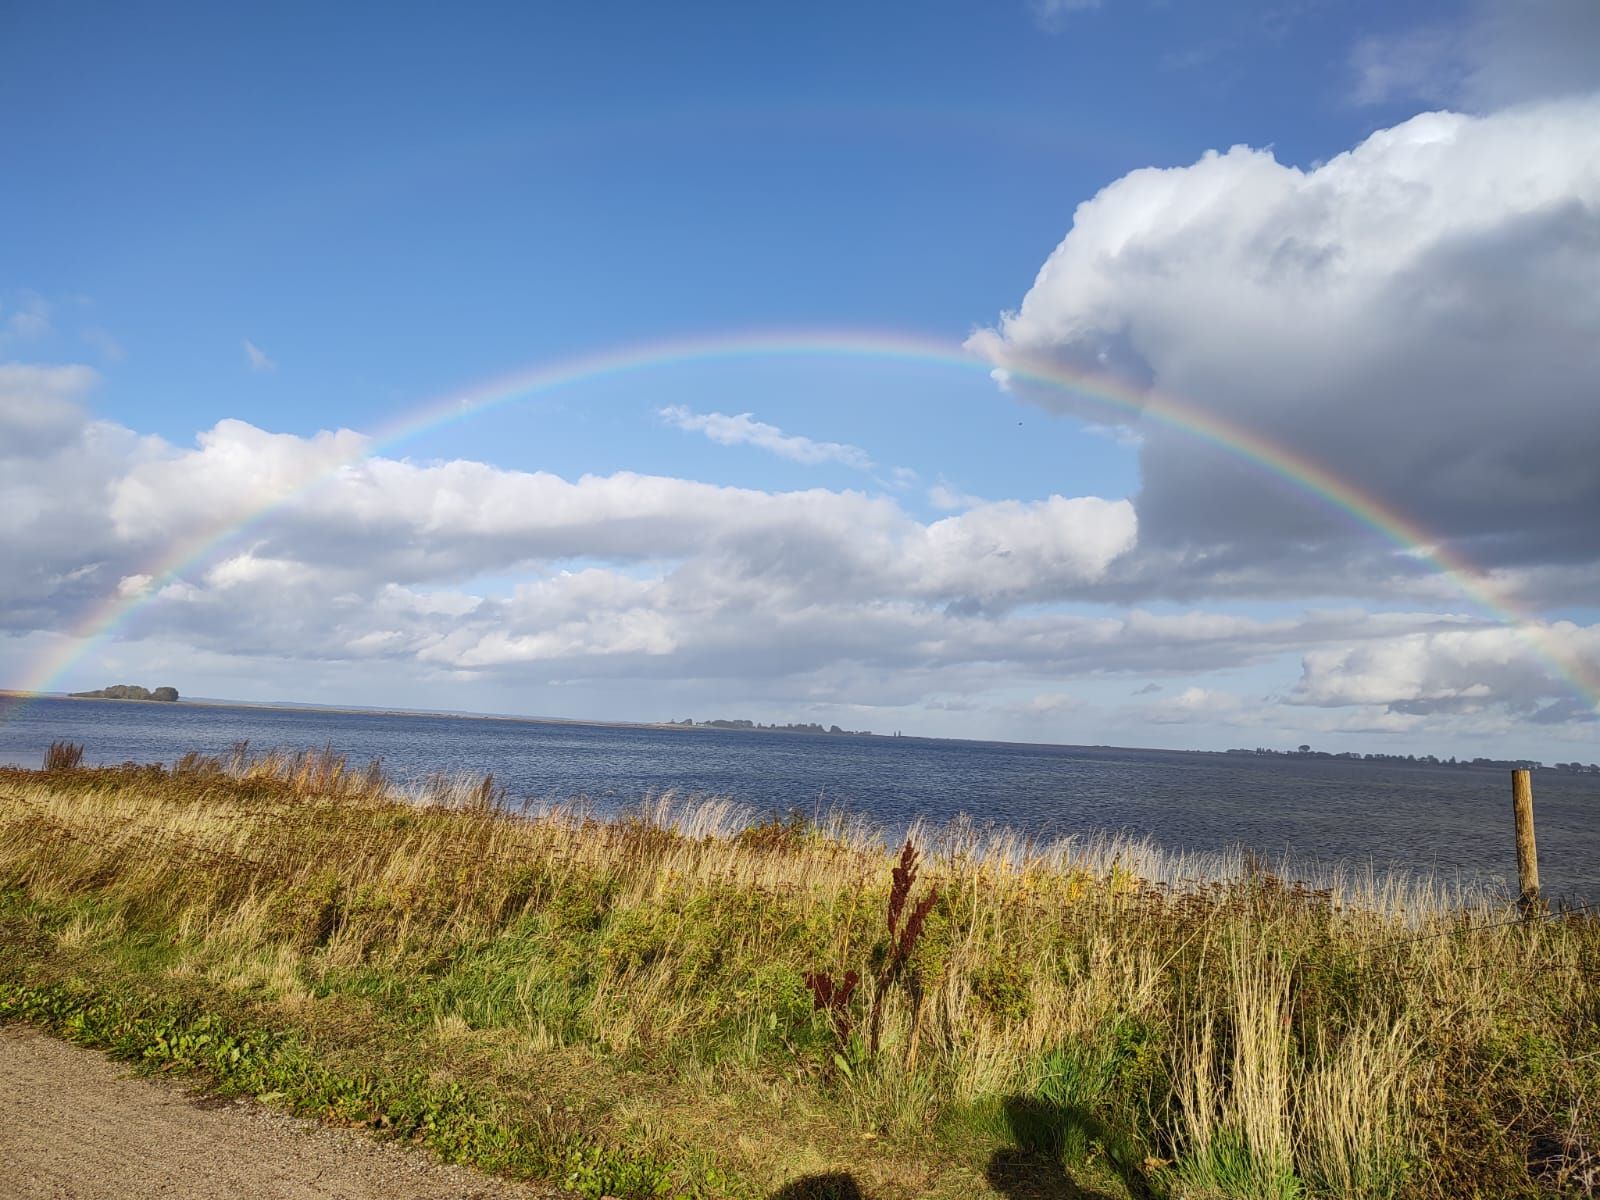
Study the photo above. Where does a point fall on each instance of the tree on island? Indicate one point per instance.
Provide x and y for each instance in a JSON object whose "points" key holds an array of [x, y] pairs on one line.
{"points": [[128, 691]]}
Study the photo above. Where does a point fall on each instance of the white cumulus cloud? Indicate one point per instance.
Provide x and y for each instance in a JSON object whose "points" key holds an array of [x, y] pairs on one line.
{"points": [[1417, 316], [1454, 670]]}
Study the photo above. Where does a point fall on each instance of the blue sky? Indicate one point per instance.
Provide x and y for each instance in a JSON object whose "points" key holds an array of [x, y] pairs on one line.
{"points": [[303, 221], [390, 208]]}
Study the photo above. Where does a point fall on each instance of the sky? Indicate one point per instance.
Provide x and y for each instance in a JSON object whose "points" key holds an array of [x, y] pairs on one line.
{"points": [[1131, 372]]}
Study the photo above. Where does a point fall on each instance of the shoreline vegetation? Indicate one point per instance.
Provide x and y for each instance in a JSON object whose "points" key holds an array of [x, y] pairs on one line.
{"points": [[699, 1001]]}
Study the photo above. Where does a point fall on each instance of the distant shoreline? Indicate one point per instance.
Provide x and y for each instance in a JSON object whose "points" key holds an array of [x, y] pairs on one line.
{"points": [[594, 723], [354, 710], [668, 726]]}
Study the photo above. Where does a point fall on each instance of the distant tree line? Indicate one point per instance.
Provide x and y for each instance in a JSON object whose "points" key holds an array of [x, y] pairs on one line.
{"points": [[798, 727], [1424, 760]]}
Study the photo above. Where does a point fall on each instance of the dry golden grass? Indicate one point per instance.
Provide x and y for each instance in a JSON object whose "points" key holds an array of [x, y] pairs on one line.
{"points": [[1089, 1010]]}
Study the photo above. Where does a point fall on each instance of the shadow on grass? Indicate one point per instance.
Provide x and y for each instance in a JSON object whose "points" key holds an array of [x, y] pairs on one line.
{"points": [[833, 1186], [1032, 1169]]}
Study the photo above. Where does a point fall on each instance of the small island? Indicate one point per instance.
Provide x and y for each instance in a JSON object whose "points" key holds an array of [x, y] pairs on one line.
{"points": [[127, 691]]}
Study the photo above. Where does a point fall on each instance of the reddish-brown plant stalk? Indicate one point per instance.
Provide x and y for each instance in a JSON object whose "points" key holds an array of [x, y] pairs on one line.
{"points": [[902, 941], [834, 999]]}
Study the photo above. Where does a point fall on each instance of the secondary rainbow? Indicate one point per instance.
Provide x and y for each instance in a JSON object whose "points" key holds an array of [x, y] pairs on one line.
{"points": [[633, 358]]}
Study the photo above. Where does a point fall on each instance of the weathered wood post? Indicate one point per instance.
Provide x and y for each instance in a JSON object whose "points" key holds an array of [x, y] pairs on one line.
{"points": [[1527, 851]]}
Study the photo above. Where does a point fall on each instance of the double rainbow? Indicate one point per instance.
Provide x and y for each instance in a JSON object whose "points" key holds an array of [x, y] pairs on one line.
{"points": [[636, 358]]}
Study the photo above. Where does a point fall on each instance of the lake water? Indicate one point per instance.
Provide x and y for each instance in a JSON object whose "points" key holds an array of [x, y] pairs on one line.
{"points": [[1453, 821]]}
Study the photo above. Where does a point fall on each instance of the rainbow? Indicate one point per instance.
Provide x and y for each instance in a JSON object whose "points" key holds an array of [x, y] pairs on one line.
{"points": [[1272, 457]]}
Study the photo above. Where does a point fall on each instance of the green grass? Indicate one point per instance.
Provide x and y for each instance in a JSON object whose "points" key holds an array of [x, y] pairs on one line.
{"points": [[626, 1007]]}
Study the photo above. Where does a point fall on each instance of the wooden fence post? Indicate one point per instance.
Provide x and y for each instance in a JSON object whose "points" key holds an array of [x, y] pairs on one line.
{"points": [[1527, 851]]}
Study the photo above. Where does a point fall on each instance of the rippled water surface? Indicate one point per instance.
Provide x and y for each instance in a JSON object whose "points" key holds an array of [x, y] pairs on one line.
{"points": [[1453, 821]]}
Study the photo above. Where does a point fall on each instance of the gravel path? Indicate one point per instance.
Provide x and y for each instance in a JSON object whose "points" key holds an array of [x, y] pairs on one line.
{"points": [[76, 1126]]}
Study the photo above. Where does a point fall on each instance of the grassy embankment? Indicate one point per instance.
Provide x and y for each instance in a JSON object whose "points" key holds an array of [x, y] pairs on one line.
{"points": [[632, 1008]]}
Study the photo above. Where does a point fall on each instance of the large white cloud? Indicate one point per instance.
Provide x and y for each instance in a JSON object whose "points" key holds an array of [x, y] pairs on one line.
{"points": [[316, 499], [1418, 315], [310, 523], [1457, 670], [57, 467]]}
